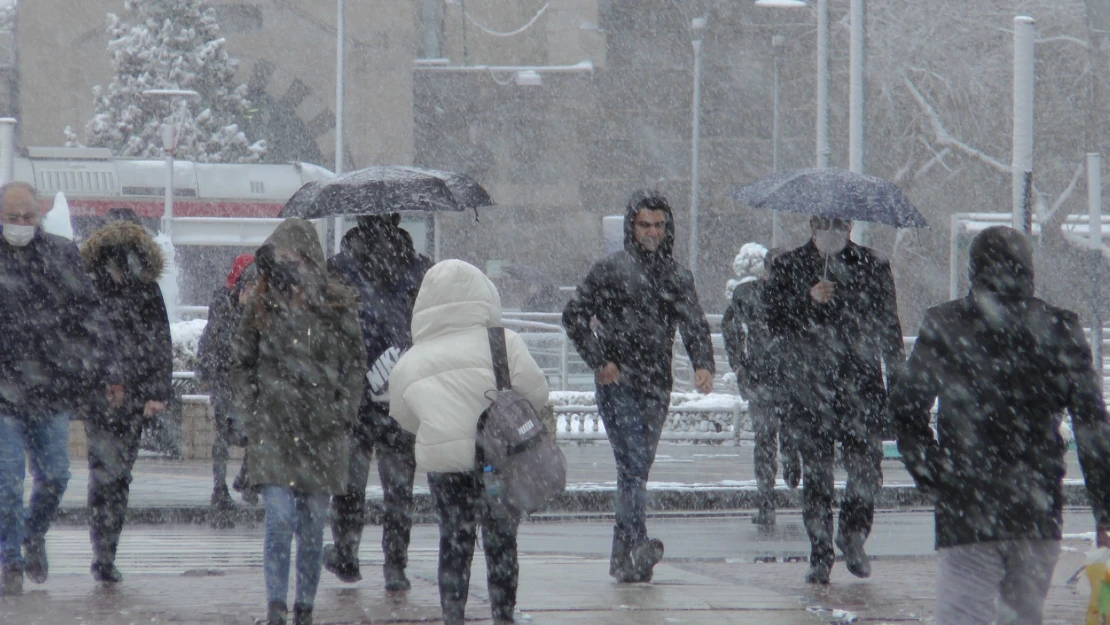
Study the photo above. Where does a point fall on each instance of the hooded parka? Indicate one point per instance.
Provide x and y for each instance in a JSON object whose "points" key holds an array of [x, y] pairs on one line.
{"points": [[639, 299], [297, 370], [124, 263], [1005, 366], [442, 385]]}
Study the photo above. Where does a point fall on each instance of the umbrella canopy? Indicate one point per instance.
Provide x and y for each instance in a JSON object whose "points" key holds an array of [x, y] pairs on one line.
{"points": [[386, 189], [833, 193]]}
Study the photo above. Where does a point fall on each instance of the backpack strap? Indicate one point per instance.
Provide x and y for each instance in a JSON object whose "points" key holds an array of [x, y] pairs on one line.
{"points": [[500, 354]]}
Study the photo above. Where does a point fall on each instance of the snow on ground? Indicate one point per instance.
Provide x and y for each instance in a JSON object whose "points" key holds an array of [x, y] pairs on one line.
{"points": [[186, 336]]}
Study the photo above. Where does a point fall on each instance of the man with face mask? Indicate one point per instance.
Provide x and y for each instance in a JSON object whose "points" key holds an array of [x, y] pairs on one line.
{"points": [[640, 296], [833, 303], [55, 364]]}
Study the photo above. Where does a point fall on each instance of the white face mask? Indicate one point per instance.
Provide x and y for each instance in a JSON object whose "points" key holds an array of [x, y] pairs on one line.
{"points": [[830, 242], [19, 236]]}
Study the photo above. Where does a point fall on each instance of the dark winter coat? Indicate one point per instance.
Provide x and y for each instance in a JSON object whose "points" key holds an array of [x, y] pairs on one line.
{"points": [[838, 347], [135, 308], [747, 337], [215, 345], [297, 371], [1005, 366], [384, 270], [57, 347], [639, 299]]}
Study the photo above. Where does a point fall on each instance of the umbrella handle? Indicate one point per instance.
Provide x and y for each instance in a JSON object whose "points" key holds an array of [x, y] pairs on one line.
{"points": [[825, 275]]}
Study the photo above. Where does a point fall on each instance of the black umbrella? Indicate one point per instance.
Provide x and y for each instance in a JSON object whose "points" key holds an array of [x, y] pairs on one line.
{"points": [[387, 189], [833, 193]]}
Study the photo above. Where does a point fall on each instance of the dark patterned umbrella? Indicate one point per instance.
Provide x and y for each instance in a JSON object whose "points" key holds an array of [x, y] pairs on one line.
{"points": [[387, 189], [833, 193]]}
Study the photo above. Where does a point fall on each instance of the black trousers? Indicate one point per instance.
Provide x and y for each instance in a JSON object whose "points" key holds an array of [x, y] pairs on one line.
{"points": [[113, 448], [767, 414], [227, 434], [460, 505], [396, 451], [847, 413]]}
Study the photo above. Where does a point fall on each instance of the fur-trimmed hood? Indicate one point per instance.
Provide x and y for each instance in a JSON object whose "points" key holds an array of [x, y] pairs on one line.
{"points": [[119, 240]]}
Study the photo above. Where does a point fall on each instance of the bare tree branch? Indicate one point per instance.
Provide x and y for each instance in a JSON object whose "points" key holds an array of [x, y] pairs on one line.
{"points": [[1064, 39], [944, 139]]}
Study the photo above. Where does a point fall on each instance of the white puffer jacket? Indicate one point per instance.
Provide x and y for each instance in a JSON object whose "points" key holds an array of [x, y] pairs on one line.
{"points": [[439, 387]]}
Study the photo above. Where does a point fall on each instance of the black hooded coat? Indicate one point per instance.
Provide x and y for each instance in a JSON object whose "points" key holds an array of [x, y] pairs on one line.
{"points": [[135, 309], [1005, 366], [639, 299]]}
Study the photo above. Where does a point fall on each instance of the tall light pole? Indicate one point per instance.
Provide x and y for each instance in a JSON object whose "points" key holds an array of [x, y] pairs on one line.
{"points": [[339, 88], [822, 84], [169, 146], [857, 50], [697, 25], [1022, 158], [777, 44]]}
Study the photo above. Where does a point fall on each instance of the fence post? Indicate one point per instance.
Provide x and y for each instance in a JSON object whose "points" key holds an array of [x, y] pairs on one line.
{"points": [[563, 365]]}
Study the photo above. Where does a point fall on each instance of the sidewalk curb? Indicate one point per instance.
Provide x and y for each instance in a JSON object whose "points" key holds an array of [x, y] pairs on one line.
{"points": [[596, 501]]}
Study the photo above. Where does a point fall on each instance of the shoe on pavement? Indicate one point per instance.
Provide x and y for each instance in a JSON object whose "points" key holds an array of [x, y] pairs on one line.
{"points": [[855, 558], [275, 613], [818, 573], [11, 581], [765, 517], [645, 556], [395, 580], [105, 572], [346, 569], [221, 498], [302, 614], [34, 555], [792, 472]]}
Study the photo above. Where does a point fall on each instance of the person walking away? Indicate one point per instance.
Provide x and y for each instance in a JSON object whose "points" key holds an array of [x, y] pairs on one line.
{"points": [[124, 264], [438, 390], [638, 296], [378, 261], [297, 373], [832, 306], [1005, 365], [55, 364], [755, 359], [214, 356]]}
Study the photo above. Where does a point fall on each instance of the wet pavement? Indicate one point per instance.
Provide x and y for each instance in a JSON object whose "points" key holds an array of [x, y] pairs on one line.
{"points": [[717, 570]]}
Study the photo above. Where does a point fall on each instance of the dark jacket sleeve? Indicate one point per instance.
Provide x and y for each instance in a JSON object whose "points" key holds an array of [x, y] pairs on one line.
{"points": [[213, 348], [911, 402], [788, 303], [693, 325], [736, 337], [1089, 420], [156, 372], [891, 344], [587, 300]]}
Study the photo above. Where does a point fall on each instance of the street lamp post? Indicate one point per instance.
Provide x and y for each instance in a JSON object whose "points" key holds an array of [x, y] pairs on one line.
{"points": [[697, 25], [778, 42], [169, 146]]}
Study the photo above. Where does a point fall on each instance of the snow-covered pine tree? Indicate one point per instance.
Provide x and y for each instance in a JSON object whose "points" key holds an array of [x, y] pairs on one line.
{"points": [[170, 44]]}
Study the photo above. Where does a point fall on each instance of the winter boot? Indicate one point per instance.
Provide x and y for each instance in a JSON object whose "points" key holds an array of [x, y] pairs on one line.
{"points": [[105, 571], [620, 559], [223, 507], [645, 556], [11, 580], [792, 470], [765, 517], [818, 574], [395, 580], [302, 614], [855, 558], [34, 554], [454, 611], [275, 613], [342, 564]]}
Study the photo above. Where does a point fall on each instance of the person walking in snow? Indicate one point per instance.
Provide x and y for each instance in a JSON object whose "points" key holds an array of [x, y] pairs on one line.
{"points": [[214, 356], [756, 359], [378, 261], [639, 296], [56, 363], [438, 390], [1005, 366], [124, 264], [832, 304], [297, 373]]}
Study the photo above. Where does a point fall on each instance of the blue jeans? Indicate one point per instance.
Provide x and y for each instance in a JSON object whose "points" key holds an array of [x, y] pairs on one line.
{"points": [[288, 513], [44, 438], [633, 422]]}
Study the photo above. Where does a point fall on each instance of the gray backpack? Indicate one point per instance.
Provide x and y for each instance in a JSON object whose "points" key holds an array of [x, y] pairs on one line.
{"points": [[522, 467]]}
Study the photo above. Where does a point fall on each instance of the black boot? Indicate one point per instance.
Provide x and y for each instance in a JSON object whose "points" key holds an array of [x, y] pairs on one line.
{"points": [[105, 571], [302, 614], [620, 560], [765, 517], [11, 580], [855, 558], [395, 580], [645, 556], [275, 613], [342, 564], [818, 574], [34, 554]]}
